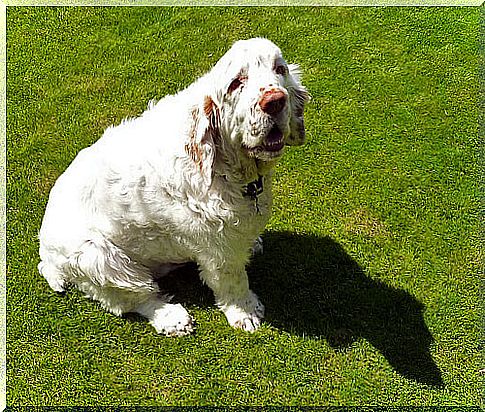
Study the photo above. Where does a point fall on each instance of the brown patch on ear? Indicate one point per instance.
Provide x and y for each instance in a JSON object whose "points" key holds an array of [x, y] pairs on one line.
{"points": [[208, 106], [203, 137], [192, 148], [213, 115]]}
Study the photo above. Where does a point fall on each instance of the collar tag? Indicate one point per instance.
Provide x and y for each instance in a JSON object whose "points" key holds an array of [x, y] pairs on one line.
{"points": [[254, 189]]}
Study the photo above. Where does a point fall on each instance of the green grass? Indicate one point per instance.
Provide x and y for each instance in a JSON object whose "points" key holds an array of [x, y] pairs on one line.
{"points": [[370, 274]]}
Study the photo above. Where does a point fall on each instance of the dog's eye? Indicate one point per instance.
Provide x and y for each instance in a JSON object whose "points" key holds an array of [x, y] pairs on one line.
{"points": [[281, 69], [236, 84]]}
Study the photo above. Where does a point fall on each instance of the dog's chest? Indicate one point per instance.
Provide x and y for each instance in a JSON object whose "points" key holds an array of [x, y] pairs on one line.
{"points": [[185, 226]]}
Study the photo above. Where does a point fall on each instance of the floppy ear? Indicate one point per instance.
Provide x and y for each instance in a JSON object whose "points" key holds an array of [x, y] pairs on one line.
{"points": [[203, 137], [298, 97]]}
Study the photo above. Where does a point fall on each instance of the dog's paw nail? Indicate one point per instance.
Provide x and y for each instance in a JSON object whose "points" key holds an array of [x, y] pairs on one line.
{"points": [[248, 324]]}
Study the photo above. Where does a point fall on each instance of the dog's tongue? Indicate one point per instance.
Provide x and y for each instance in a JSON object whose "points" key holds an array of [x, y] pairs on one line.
{"points": [[274, 140]]}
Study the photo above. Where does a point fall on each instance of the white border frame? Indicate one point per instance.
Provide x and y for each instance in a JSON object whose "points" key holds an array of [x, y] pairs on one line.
{"points": [[3, 99]]}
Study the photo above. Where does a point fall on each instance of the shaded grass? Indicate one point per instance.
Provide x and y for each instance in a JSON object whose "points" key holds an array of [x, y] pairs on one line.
{"points": [[370, 271]]}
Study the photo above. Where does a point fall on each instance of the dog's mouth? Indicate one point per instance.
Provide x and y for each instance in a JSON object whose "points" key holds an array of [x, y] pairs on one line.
{"points": [[272, 145]]}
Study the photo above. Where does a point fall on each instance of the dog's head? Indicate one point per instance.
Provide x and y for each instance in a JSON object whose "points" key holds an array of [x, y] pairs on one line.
{"points": [[260, 97], [254, 101]]}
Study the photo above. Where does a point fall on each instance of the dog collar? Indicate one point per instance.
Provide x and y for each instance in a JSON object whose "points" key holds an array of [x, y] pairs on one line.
{"points": [[254, 189]]}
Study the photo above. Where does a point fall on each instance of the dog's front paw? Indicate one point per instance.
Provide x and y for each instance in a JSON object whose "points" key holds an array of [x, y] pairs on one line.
{"points": [[172, 320], [246, 315]]}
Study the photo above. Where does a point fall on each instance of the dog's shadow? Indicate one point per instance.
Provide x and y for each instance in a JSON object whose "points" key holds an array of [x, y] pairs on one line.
{"points": [[311, 287]]}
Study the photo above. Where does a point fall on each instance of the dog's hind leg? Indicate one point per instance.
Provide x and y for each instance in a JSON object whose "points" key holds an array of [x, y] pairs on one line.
{"points": [[166, 318], [53, 275], [105, 273]]}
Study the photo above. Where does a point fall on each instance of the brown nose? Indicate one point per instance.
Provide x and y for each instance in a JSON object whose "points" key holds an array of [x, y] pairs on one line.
{"points": [[273, 102]]}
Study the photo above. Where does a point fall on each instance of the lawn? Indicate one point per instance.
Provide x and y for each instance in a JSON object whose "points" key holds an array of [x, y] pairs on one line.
{"points": [[371, 270]]}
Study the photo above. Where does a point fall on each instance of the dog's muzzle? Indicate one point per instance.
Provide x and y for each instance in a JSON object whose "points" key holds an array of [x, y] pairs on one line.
{"points": [[273, 102]]}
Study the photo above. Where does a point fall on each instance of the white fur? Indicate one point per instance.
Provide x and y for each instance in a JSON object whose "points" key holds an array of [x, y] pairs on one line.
{"points": [[167, 188]]}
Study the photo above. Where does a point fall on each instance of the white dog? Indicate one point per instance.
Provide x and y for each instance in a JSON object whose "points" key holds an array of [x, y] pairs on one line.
{"points": [[189, 180]]}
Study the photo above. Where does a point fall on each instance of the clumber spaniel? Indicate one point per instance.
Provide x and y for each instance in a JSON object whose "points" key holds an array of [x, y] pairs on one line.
{"points": [[187, 181]]}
